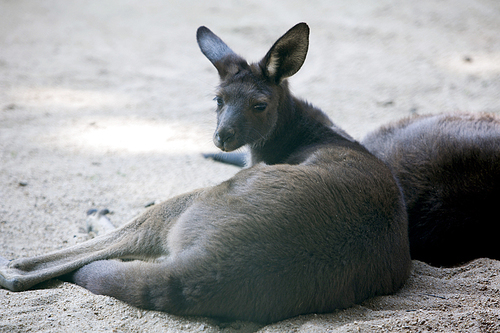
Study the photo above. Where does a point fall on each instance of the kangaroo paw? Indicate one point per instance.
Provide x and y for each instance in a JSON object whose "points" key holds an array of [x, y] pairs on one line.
{"points": [[8, 278]]}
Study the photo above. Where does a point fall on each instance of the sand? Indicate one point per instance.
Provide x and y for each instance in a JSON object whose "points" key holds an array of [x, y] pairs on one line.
{"points": [[108, 104]]}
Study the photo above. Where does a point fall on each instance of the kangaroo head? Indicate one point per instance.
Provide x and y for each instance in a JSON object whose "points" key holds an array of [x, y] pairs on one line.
{"points": [[249, 97]]}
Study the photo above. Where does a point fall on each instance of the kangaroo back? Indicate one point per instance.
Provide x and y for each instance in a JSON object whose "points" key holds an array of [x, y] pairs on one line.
{"points": [[449, 169]]}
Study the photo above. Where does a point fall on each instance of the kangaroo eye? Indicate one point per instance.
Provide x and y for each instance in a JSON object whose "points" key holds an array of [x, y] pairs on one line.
{"points": [[260, 107], [219, 100]]}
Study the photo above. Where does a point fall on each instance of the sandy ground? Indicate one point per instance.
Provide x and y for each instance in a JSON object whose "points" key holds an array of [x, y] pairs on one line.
{"points": [[109, 104]]}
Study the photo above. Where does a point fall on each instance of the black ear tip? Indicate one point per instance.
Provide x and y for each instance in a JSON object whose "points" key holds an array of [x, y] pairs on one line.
{"points": [[202, 31], [303, 26]]}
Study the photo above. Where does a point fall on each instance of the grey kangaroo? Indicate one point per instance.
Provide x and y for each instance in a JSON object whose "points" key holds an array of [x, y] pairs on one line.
{"points": [[316, 224]]}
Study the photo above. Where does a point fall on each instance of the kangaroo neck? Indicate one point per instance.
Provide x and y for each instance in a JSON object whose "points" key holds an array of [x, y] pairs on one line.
{"points": [[295, 130]]}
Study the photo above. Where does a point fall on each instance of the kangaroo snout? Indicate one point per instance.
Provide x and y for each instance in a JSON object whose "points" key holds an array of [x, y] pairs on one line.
{"points": [[224, 138]]}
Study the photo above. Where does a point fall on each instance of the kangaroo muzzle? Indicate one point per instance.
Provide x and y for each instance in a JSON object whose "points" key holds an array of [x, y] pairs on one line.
{"points": [[225, 138]]}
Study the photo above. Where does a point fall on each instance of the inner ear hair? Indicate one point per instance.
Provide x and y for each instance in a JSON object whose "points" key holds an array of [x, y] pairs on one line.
{"points": [[288, 54]]}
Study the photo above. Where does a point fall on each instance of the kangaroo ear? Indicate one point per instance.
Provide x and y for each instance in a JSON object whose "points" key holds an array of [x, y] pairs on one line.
{"points": [[219, 54], [288, 54]]}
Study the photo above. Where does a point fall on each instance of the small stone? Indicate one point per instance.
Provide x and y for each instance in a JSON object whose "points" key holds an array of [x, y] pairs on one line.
{"points": [[149, 204]]}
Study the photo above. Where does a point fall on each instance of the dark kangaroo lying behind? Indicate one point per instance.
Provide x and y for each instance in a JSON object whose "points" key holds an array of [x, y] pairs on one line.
{"points": [[448, 167], [318, 223]]}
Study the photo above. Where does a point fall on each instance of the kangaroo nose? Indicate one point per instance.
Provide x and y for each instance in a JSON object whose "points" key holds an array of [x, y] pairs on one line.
{"points": [[224, 136]]}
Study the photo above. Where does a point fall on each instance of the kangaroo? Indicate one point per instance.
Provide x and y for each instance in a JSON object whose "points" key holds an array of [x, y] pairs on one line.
{"points": [[449, 169], [317, 223]]}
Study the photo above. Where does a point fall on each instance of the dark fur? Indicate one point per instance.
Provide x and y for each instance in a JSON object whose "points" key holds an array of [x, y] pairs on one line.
{"points": [[316, 224], [449, 169]]}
